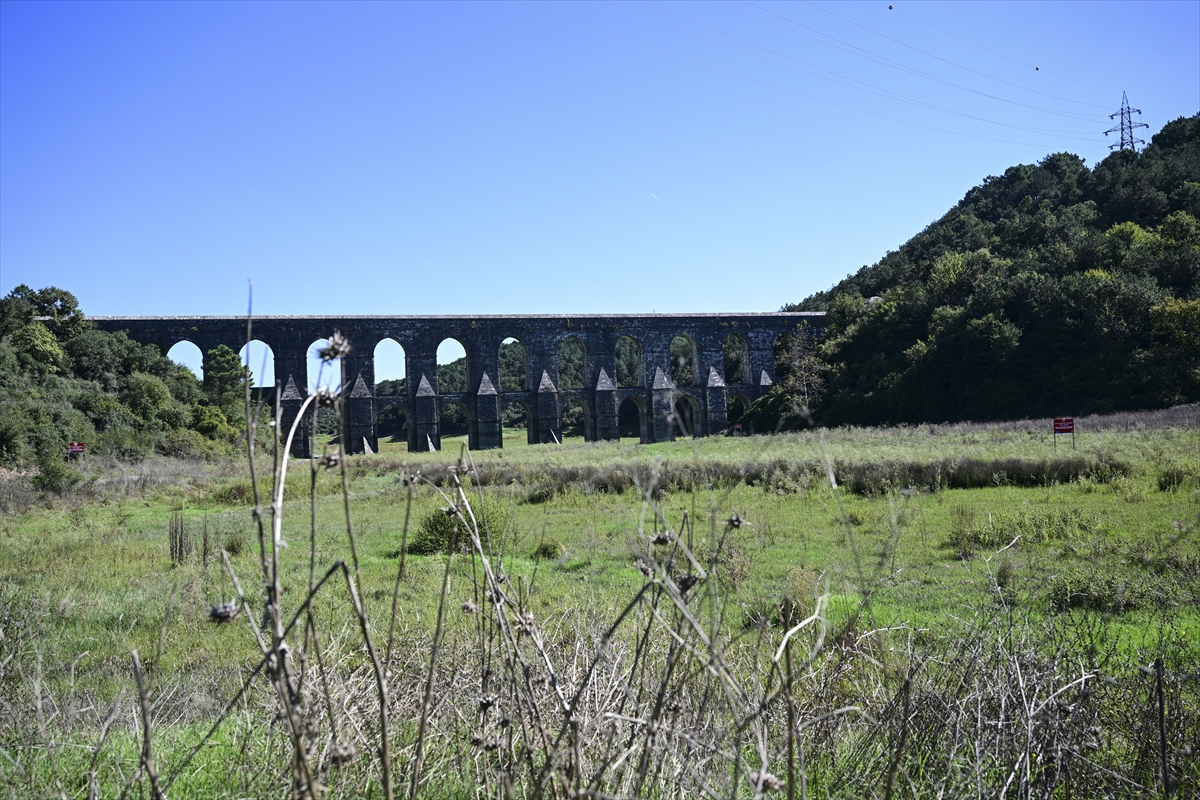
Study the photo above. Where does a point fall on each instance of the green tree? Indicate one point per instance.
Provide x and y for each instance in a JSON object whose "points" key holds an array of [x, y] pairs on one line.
{"points": [[629, 362], [735, 357], [514, 361], [225, 378], [682, 361], [572, 369], [148, 397], [37, 350], [57, 308]]}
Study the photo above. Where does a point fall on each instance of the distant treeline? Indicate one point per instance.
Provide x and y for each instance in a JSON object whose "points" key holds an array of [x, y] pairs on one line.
{"points": [[1052, 289]]}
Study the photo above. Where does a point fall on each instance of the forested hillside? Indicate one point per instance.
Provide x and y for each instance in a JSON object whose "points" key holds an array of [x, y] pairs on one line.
{"points": [[61, 380], [1052, 289]]}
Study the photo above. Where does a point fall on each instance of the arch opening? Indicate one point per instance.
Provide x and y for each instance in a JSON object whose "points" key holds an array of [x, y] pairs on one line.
{"points": [[392, 422], [629, 362], [451, 366], [390, 369], [737, 360], [323, 373], [258, 357], [189, 355], [576, 420], [572, 365], [631, 420], [514, 422], [514, 366], [455, 422], [684, 365], [686, 417]]}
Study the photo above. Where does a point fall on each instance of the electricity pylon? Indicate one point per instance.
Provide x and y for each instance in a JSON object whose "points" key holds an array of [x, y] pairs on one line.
{"points": [[1126, 127]]}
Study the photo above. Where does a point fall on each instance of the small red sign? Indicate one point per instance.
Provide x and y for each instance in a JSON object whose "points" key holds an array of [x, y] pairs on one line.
{"points": [[1064, 425], [74, 447]]}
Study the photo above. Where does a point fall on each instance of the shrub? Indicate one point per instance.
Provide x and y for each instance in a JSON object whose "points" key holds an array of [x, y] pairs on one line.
{"points": [[1005, 574], [17, 495], [549, 550], [962, 531], [125, 443], [969, 533], [436, 530], [53, 475], [235, 543], [184, 443], [1102, 590], [1173, 478]]}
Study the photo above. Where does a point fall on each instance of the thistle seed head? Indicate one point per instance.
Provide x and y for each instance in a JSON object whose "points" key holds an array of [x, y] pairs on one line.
{"points": [[662, 539], [325, 396], [224, 612], [469, 607], [344, 753], [735, 521], [338, 347], [765, 782]]}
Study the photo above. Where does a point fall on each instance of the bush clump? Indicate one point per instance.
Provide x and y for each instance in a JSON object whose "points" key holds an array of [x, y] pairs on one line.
{"points": [[1174, 478], [1103, 590], [549, 550], [970, 531], [438, 528]]}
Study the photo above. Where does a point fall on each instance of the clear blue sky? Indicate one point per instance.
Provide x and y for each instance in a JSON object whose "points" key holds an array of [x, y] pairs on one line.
{"points": [[505, 157]]}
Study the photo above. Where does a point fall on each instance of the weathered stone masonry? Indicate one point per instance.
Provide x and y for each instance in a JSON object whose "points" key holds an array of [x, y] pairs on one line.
{"points": [[290, 337]]}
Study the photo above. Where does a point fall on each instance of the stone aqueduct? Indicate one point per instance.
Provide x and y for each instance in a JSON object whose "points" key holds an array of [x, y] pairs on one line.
{"points": [[656, 397]]}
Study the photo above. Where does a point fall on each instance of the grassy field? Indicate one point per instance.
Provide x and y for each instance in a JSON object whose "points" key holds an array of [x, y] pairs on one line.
{"points": [[946, 565]]}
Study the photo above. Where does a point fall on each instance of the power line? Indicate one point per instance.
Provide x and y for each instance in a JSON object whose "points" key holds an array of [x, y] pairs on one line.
{"points": [[948, 61], [855, 50], [993, 52], [861, 85], [772, 85], [1126, 127]]}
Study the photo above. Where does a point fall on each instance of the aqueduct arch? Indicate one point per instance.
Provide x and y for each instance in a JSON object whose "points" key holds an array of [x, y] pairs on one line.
{"points": [[484, 397]]}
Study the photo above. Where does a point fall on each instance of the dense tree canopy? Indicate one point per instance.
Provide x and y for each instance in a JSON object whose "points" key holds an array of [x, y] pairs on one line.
{"points": [[1051, 289], [62, 380]]}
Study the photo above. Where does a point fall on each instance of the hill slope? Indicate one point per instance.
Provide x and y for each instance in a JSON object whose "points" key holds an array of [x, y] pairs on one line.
{"points": [[1052, 289]]}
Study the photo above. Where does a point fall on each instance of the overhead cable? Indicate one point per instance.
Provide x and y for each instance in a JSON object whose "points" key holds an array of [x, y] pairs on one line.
{"points": [[948, 61], [862, 86], [863, 53], [773, 85], [997, 52]]}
